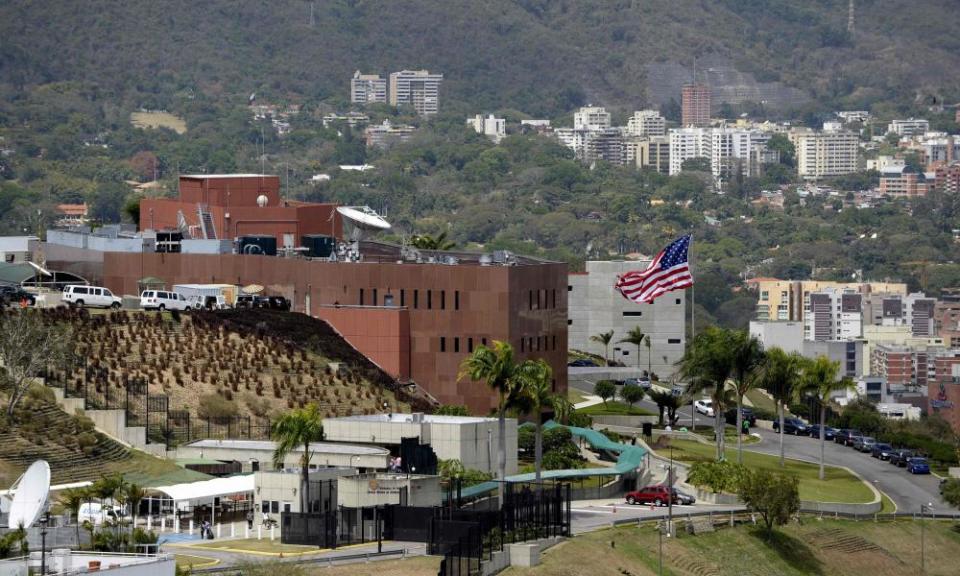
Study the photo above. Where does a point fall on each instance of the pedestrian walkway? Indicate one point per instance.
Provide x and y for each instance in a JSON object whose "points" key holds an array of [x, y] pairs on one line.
{"points": [[590, 400]]}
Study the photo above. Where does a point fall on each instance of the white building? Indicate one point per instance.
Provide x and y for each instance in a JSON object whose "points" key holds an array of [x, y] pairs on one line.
{"points": [[16, 249], [494, 128], [368, 88], [729, 150], [788, 336], [909, 128], [277, 491], [418, 88], [687, 143], [591, 118], [471, 440], [833, 314], [826, 153], [646, 123], [854, 115], [593, 307], [575, 139], [257, 455]]}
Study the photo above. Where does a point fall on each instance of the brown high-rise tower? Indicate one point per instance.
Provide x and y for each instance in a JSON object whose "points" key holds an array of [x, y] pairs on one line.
{"points": [[696, 105]]}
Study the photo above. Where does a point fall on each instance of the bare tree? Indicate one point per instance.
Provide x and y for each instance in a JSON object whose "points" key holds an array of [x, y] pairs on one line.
{"points": [[28, 343]]}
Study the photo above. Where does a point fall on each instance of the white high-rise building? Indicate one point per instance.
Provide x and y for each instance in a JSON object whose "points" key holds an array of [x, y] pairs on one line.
{"points": [[909, 127], [687, 143], [591, 118], [727, 149], [825, 153], [368, 88], [494, 128], [419, 88], [646, 123], [833, 315]]}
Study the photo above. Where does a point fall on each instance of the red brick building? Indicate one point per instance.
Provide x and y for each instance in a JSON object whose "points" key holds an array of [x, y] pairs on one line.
{"points": [[695, 105], [239, 205], [943, 392]]}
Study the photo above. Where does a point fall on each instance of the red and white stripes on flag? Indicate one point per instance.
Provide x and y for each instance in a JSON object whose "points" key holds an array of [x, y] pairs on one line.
{"points": [[669, 271]]}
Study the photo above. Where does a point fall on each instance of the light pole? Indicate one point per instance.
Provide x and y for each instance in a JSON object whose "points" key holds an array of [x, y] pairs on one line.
{"points": [[923, 564], [670, 501], [43, 542]]}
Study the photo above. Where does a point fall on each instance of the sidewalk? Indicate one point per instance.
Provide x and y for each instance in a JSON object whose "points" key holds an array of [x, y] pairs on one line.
{"points": [[322, 557], [591, 400]]}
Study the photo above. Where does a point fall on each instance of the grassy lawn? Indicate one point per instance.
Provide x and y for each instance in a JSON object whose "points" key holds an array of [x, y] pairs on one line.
{"points": [[191, 561], [254, 545], [146, 470], [838, 486], [815, 547], [615, 409], [158, 120], [575, 396], [762, 401]]}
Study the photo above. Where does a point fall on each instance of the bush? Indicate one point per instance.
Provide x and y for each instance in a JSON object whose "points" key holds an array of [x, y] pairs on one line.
{"points": [[762, 414], [452, 410], [775, 497], [580, 420], [719, 477], [216, 406]]}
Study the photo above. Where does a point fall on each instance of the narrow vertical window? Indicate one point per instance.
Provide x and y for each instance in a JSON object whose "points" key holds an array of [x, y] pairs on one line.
{"points": [[470, 345], [374, 297], [456, 344], [416, 299], [443, 299], [403, 297], [443, 343], [456, 299], [361, 296]]}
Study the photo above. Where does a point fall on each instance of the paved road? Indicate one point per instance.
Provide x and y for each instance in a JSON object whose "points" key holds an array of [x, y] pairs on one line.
{"points": [[591, 515], [586, 387], [908, 491]]}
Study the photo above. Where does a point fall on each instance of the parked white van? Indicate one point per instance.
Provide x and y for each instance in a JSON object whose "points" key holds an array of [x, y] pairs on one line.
{"points": [[161, 300], [90, 296], [97, 513]]}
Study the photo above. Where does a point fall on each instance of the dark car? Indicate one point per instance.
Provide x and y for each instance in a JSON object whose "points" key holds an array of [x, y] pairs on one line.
{"points": [[683, 498], [843, 435], [582, 363], [900, 457], [13, 295], [853, 440], [276, 303], [746, 413], [793, 426], [917, 465], [248, 301], [657, 494], [881, 450], [828, 433], [864, 444]]}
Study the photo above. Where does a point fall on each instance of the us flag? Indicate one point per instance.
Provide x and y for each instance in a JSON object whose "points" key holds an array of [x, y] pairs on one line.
{"points": [[668, 271]]}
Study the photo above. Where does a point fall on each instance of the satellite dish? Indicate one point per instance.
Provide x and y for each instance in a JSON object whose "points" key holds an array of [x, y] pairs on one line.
{"points": [[30, 495], [361, 220], [262, 200]]}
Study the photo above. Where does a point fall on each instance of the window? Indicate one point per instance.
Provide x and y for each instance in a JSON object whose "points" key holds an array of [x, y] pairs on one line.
{"points": [[678, 302], [265, 506], [569, 322], [569, 288], [361, 296], [764, 295], [456, 344], [538, 300], [553, 296], [443, 299], [403, 297], [554, 342], [470, 345], [538, 341], [530, 300], [443, 343], [9, 258], [416, 299], [374, 297], [484, 341], [523, 344], [530, 343], [456, 299], [673, 340], [274, 507], [632, 313], [429, 299]]}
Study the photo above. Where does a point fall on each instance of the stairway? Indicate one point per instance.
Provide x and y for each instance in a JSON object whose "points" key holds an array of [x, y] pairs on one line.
{"points": [[206, 222]]}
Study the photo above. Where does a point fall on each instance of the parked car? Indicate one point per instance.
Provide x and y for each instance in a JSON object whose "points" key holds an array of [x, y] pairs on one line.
{"points": [[162, 300], [704, 406], [98, 296], [683, 498], [747, 415], [11, 295], [853, 439], [829, 433], [917, 465], [864, 443], [657, 494], [843, 435], [641, 382], [98, 514], [794, 426], [582, 363], [900, 457], [248, 301], [881, 450]]}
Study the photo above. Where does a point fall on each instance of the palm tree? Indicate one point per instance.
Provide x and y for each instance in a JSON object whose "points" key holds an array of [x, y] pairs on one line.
{"points": [[534, 380], [604, 338], [636, 337], [781, 377], [646, 342], [72, 499], [747, 359], [428, 242], [666, 401], [134, 495], [298, 429], [820, 379], [496, 367], [707, 365], [562, 408]]}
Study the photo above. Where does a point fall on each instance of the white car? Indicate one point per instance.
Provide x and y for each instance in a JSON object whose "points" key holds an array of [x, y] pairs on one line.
{"points": [[704, 407], [97, 513], [161, 300], [78, 295]]}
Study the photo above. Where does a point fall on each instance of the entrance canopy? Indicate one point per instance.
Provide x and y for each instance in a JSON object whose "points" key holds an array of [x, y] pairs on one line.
{"points": [[208, 489]]}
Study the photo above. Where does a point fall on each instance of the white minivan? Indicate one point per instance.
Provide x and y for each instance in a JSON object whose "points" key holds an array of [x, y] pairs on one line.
{"points": [[90, 296], [98, 514], [162, 300]]}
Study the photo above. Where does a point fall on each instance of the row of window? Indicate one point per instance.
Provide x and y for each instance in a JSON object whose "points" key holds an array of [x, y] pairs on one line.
{"points": [[458, 344], [540, 298], [456, 340], [428, 300], [543, 344]]}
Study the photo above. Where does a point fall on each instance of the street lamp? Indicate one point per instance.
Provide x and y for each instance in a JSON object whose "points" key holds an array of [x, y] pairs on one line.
{"points": [[923, 508], [43, 542]]}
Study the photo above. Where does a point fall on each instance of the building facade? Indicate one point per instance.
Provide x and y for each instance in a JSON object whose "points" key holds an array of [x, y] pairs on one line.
{"points": [[826, 153], [909, 128], [417, 88], [898, 182], [834, 315], [646, 123], [595, 307], [653, 153], [387, 134], [493, 128], [368, 88], [591, 118], [789, 299], [695, 102]]}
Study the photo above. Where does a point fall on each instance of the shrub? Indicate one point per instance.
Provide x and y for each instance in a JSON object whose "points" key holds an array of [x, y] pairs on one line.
{"points": [[719, 477], [580, 420], [775, 497], [216, 406]]}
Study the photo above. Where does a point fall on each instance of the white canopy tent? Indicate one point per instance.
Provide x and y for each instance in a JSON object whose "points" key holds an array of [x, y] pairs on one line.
{"points": [[206, 496], [205, 490]]}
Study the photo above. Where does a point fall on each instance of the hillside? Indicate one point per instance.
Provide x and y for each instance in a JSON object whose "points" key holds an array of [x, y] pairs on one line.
{"points": [[539, 56]]}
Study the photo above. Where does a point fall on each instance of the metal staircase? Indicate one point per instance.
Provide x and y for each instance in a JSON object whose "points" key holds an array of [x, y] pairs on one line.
{"points": [[206, 222]]}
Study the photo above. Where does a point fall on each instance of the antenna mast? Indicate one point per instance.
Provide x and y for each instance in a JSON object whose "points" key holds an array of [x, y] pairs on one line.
{"points": [[850, 18]]}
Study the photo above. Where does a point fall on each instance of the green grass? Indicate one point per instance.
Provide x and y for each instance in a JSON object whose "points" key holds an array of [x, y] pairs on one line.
{"points": [[575, 396], [146, 470], [762, 401], [254, 545], [805, 549], [839, 485], [191, 561], [888, 507], [615, 409]]}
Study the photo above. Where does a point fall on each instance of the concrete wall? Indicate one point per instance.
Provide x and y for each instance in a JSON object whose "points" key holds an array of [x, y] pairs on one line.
{"points": [[265, 457], [382, 334], [523, 555], [594, 307], [285, 487], [785, 335], [367, 490]]}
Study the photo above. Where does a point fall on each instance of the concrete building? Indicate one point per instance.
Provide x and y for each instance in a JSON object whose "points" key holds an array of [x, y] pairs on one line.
{"points": [[909, 128], [595, 307], [368, 88], [591, 118], [695, 105], [605, 146], [834, 315], [493, 128], [940, 148], [729, 150], [947, 179], [646, 123], [826, 153], [387, 134], [947, 317], [418, 88], [471, 440], [575, 139], [899, 182], [278, 491], [686, 144], [788, 299], [943, 391], [654, 153], [351, 119], [788, 336], [18, 249], [915, 311], [257, 455]]}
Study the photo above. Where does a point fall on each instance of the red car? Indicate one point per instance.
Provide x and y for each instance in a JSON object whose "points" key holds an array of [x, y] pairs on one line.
{"points": [[657, 494]]}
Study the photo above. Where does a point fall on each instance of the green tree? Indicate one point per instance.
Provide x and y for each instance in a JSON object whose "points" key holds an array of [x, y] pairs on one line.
{"points": [[951, 492], [666, 401], [134, 495], [604, 338], [788, 152], [534, 384], [774, 496], [71, 499], [707, 365], [698, 164], [497, 368], [452, 410], [781, 377], [636, 337], [294, 430], [605, 389], [631, 394], [820, 379], [428, 242], [562, 408], [747, 360]]}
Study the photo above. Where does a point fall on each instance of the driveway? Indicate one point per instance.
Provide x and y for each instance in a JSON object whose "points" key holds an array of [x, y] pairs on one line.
{"points": [[907, 491], [587, 515]]}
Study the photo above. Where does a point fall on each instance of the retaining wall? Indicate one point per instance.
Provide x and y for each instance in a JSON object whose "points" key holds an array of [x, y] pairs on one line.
{"points": [[622, 420], [524, 554]]}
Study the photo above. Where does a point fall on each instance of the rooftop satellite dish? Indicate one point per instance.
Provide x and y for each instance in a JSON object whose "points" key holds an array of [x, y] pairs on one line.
{"points": [[361, 220], [30, 495], [262, 200]]}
